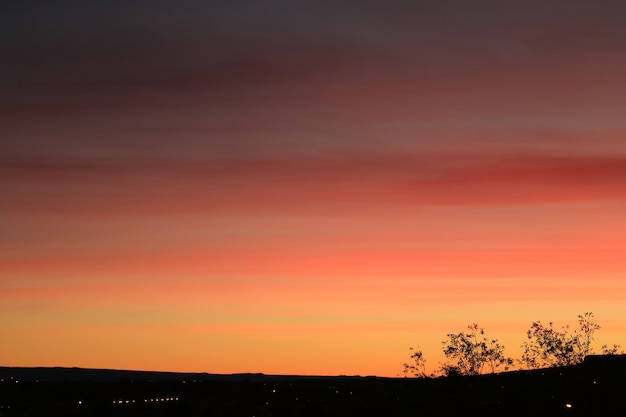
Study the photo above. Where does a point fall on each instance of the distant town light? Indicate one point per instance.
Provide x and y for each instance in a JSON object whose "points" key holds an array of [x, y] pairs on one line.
{"points": [[568, 405]]}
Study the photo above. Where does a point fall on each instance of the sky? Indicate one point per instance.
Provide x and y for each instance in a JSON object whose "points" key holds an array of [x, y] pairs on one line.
{"points": [[306, 187]]}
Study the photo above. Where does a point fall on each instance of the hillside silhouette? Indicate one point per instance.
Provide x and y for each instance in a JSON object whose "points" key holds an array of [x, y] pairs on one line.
{"points": [[594, 387]]}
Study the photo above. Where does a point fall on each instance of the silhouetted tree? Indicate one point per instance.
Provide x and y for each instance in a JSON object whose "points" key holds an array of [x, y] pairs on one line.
{"points": [[587, 327], [613, 350], [418, 366], [547, 347], [470, 352]]}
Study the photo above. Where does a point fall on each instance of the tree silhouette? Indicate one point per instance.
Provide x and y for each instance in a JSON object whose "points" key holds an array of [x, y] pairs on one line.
{"points": [[587, 328], [548, 347], [418, 366], [613, 350], [470, 352]]}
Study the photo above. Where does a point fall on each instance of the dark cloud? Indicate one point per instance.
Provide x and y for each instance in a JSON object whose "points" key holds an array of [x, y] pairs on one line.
{"points": [[130, 46], [312, 91], [285, 185]]}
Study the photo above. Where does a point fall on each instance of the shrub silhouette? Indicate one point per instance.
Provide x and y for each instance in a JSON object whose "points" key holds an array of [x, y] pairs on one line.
{"points": [[471, 352], [548, 347], [418, 366]]}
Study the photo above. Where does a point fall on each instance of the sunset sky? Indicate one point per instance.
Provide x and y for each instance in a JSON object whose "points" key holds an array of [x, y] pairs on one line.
{"points": [[306, 187]]}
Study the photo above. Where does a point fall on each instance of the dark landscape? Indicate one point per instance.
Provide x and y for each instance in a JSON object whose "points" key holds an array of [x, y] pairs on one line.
{"points": [[594, 387]]}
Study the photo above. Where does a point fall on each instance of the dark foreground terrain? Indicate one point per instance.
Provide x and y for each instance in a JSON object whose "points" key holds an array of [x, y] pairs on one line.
{"points": [[593, 388]]}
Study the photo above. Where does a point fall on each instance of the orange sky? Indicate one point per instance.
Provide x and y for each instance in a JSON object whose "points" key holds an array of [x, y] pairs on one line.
{"points": [[310, 188]]}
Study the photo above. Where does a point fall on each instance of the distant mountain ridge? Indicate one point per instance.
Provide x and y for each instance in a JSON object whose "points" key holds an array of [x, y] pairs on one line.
{"points": [[63, 374], [602, 363]]}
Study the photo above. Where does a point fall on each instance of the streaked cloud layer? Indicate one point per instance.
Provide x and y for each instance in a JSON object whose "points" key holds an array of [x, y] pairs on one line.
{"points": [[182, 185]]}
